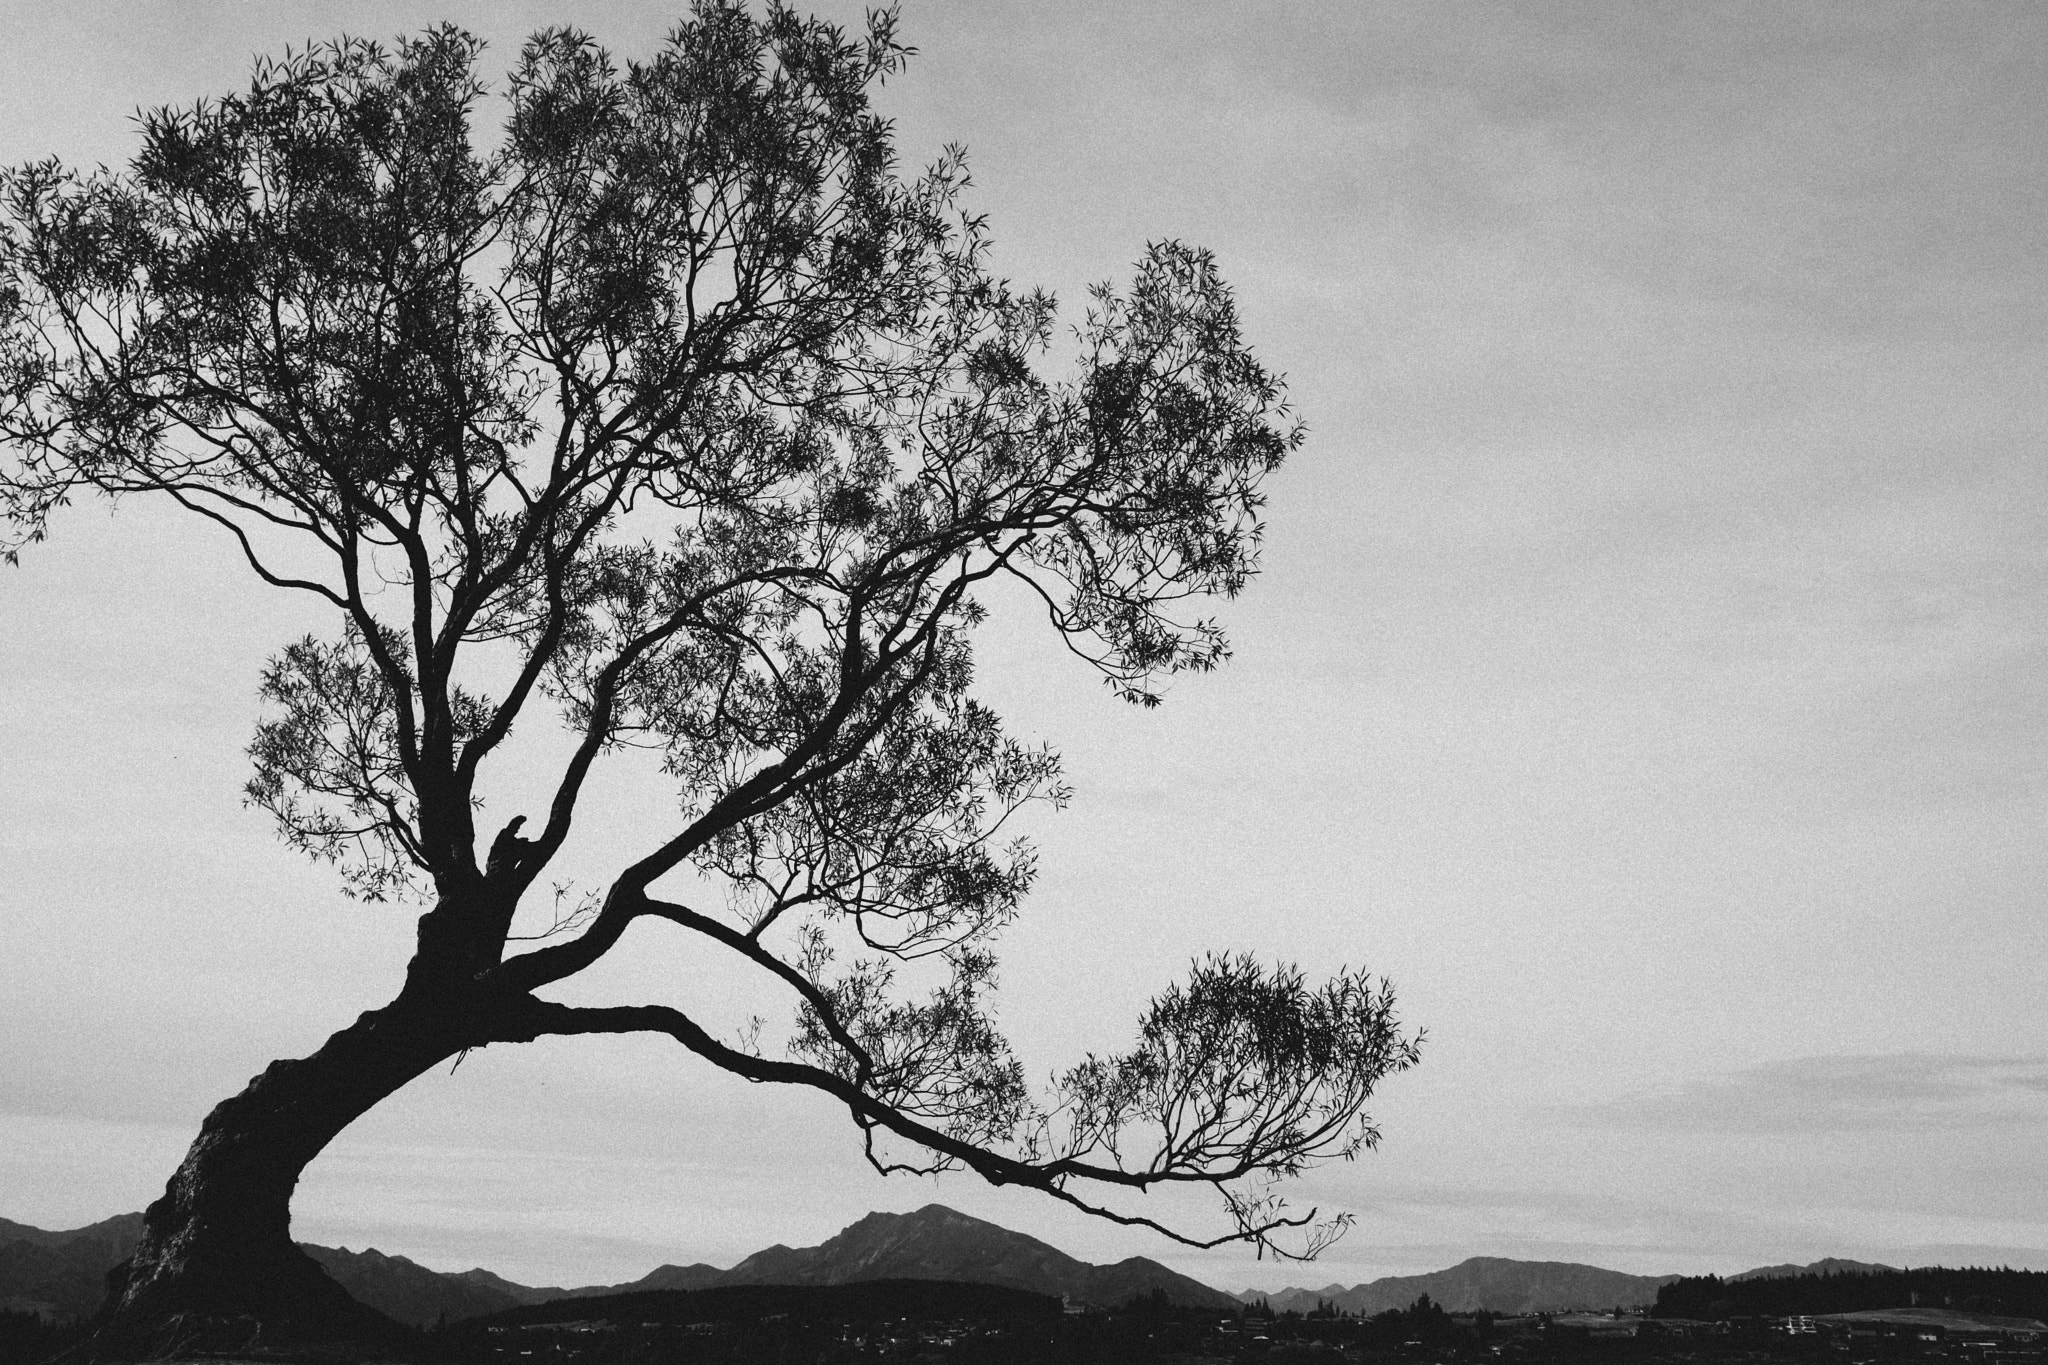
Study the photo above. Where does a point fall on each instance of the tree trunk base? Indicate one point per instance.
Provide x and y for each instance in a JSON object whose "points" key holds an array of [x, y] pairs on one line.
{"points": [[216, 1273], [277, 1304]]}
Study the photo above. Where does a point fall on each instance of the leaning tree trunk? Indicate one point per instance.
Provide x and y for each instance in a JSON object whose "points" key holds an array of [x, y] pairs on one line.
{"points": [[216, 1269]]}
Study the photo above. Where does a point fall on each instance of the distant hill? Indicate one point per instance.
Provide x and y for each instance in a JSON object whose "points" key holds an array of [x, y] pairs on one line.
{"points": [[62, 1275], [937, 1243], [516, 1293], [119, 1231], [1508, 1286], [1827, 1266], [1494, 1283], [685, 1277], [663, 1277], [407, 1290]]}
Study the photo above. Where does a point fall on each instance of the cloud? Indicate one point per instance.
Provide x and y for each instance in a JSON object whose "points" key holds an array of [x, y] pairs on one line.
{"points": [[1845, 1094]]}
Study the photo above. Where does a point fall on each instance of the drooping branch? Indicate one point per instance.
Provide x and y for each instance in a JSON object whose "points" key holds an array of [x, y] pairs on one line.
{"points": [[1237, 1051]]}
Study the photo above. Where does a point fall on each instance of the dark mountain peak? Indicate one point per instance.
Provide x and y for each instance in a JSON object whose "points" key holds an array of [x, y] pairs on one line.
{"points": [[511, 1289], [939, 1213], [935, 1242], [939, 1243], [933, 1221], [407, 1290], [685, 1277]]}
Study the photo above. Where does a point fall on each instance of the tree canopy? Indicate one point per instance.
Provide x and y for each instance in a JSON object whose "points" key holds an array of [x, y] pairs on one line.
{"points": [[678, 411]]}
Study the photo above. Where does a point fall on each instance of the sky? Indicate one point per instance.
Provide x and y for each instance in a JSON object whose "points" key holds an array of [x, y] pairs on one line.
{"points": [[1646, 674]]}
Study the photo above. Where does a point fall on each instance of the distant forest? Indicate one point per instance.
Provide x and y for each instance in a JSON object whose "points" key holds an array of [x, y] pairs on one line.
{"points": [[859, 1302], [2019, 1293]]}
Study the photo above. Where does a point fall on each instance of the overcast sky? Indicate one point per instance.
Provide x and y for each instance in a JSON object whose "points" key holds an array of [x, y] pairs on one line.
{"points": [[1647, 674]]}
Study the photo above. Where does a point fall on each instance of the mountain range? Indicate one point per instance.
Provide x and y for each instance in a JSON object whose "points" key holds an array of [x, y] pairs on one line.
{"points": [[63, 1274], [1489, 1282], [934, 1243], [1499, 1285]]}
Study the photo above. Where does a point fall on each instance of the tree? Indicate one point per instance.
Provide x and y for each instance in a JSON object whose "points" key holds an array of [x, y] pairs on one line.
{"points": [[680, 410]]}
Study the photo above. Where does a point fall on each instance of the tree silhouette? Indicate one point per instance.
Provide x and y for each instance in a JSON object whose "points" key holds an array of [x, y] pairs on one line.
{"points": [[680, 411]]}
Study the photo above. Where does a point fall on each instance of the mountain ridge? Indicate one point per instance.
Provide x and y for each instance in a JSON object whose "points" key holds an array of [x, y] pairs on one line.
{"points": [[938, 1243], [62, 1274], [1827, 1265], [1492, 1283], [1501, 1285]]}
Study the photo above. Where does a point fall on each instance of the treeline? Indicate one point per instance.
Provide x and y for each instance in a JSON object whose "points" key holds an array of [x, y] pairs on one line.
{"points": [[2017, 1293], [943, 1323], [867, 1301]]}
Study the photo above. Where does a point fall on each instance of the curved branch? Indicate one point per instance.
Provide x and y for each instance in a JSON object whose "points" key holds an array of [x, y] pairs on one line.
{"points": [[530, 1018], [750, 948]]}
